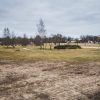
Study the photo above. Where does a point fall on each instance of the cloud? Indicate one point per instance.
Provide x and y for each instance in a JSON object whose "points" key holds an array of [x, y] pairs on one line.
{"points": [[69, 17]]}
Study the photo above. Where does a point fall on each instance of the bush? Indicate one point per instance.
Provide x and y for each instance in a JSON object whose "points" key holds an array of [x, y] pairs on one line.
{"points": [[67, 47]]}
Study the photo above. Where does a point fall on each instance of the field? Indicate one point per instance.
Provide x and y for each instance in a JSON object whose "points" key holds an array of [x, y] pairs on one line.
{"points": [[31, 53], [28, 73]]}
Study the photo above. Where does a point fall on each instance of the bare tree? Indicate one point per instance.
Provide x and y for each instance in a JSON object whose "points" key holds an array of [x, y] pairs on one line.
{"points": [[7, 36], [37, 40], [77, 41], [50, 42], [13, 40], [42, 32], [57, 39], [25, 40]]}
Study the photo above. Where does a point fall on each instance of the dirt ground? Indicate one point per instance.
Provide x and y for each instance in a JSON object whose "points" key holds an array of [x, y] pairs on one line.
{"points": [[44, 80]]}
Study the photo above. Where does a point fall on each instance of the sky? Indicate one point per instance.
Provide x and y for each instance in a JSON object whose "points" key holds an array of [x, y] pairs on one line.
{"points": [[67, 17]]}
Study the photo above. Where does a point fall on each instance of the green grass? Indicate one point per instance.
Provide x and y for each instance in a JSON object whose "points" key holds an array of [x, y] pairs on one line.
{"points": [[73, 55]]}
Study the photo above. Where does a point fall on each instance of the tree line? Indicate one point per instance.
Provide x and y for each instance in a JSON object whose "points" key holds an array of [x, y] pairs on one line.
{"points": [[9, 38]]}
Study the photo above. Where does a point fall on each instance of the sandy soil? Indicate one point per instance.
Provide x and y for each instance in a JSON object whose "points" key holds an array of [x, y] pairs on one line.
{"points": [[49, 81]]}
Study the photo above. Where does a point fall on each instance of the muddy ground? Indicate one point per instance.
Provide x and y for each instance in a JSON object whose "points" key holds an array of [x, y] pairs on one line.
{"points": [[49, 81]]}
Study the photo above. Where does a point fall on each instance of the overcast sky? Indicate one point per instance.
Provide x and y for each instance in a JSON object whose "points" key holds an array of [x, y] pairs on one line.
{"points": [[68, 17]]}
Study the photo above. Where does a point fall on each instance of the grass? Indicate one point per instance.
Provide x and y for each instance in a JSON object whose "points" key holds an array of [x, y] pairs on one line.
{"points": [[33, 53]]}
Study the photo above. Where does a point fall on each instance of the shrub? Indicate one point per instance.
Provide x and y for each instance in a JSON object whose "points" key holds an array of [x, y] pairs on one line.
{"points": [[67, 47], [60, 47]]}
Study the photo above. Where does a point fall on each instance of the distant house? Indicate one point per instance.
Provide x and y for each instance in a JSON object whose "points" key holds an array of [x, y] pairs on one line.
{"points": [[73, 41]]}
